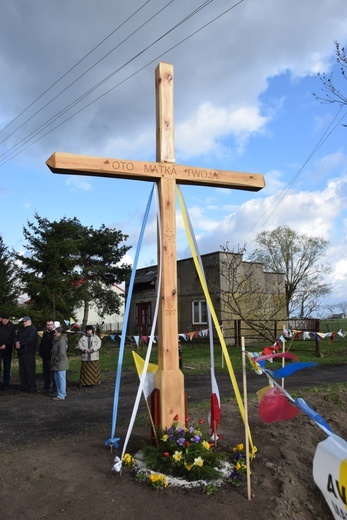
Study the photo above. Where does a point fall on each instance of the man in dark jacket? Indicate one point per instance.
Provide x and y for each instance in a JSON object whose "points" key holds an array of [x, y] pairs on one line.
{"points": [[46, 352], [26, 343], [7, 338]]}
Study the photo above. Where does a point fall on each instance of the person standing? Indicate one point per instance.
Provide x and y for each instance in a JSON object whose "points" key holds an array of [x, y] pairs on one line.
{"points": [[7, 339], [46, 355], [60, 363], [26, 343], [89, 345]]}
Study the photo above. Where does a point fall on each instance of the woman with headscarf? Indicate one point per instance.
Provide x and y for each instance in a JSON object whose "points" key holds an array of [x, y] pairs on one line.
{"points": [[89, 345]]}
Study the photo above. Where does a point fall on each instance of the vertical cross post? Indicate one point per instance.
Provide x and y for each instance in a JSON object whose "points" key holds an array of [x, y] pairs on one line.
{"points": [[169, 379]]}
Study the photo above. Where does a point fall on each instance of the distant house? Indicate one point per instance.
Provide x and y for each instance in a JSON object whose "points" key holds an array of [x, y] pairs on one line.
{"points": [[192, 308], [107, 323]]}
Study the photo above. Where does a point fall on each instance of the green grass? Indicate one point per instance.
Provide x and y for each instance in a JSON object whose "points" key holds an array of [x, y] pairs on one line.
{"points": [[196, 356], [334, 393], [333, 325]]}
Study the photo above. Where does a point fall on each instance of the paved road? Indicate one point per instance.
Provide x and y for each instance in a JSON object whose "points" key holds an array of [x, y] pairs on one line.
{"points": [[32, 418]]}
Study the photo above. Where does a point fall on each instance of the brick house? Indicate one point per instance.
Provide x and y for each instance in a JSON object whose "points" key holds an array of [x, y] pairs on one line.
{"points": [[192, 310]]}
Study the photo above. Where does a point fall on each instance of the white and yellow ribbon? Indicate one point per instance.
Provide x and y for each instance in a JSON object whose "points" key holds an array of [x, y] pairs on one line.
{"points": [[212, 311]]}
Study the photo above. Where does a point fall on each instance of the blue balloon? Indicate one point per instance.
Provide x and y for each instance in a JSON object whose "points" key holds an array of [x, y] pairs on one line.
{"points": [[288, 370]]}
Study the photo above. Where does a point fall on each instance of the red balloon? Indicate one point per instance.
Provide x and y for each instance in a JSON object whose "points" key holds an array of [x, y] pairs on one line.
{"points": [[275, 407]]}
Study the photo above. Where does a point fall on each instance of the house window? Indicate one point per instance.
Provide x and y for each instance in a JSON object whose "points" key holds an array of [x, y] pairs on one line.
{"points": [[199, 312]]}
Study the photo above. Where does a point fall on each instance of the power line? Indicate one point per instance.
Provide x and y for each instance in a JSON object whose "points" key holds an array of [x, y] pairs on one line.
{"points": [[284, 192], [54, 118], [68, 71], [85, 94], [61, 112]]}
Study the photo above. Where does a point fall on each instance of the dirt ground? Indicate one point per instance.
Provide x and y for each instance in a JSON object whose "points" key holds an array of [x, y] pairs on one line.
{"points": [[54, 463]]}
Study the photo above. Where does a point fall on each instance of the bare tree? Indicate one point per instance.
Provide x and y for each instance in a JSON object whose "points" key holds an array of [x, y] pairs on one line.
{"points": [[298, 256], [252, 295], [332, 92], [341, 306]]}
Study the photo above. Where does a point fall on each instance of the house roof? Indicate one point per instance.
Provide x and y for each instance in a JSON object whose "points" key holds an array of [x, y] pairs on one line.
{"points": [[146, 276]]}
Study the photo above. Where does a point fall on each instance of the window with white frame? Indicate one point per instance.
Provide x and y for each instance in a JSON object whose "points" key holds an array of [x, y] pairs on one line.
{"points": [[199, 312]]}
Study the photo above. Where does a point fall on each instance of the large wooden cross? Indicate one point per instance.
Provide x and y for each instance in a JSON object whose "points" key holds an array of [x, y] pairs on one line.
{"points": [[166, 173]]}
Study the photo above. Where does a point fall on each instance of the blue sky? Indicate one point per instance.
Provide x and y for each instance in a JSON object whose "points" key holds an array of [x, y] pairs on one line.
{"points": [[243, 101]]}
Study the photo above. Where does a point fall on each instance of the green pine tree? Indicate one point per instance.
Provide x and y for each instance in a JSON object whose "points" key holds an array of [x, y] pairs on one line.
{"points": [[9, 280]]}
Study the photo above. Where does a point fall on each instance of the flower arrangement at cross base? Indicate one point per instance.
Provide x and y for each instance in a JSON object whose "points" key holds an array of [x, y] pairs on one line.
{"points": [[184, 451], [184, 456]]}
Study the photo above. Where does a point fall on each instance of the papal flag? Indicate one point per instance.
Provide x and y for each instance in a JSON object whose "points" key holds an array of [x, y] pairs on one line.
{"points": [[151, 370]]}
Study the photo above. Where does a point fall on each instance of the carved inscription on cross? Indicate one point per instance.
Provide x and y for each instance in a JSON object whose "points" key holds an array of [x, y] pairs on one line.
{"points": [[168, 379]]}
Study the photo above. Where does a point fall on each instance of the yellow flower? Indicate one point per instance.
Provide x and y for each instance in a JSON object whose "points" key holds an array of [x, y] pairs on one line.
{"points": [[177, 456], [239, 447], [128, 460], [198, 461], [188, 466], [238, 466], [165, 437], [206, 445], [158, 480]]}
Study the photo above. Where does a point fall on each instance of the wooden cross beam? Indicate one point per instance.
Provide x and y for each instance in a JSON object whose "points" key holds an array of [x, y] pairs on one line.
{"points": [[166, 173]]}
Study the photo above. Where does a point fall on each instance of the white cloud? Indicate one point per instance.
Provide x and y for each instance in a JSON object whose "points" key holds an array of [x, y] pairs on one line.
{"points": [[274, 182], [198, 215], [326, 166], [336, 258], [78, 183], [201, 133], [309, 212]]}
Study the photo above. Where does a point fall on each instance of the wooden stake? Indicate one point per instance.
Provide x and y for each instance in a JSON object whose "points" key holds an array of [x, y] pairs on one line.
{"points": [[152, 422], [283, 360], [245, 398]]}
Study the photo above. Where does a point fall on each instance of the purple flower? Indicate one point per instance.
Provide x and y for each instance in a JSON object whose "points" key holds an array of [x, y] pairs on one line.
{"points": [[196, 438], [170, 431], [181, 441], [191, 430], [171, 437]]}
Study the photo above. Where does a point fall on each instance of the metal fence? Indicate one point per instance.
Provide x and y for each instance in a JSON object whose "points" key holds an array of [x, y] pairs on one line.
{"points": [[234, 330], [115, 327]]}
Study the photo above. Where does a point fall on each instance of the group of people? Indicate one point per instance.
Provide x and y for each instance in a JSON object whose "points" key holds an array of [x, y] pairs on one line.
{"points": [[53, 351]]}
